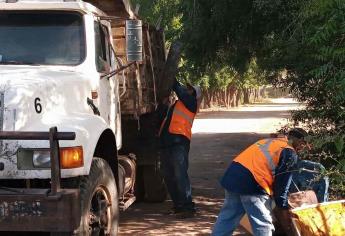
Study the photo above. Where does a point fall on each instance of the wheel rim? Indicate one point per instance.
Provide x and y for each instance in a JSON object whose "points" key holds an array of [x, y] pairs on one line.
{"points": [[100, 213]]}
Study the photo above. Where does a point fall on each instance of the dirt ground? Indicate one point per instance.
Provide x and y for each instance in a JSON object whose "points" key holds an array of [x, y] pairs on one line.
{"points": [[218, 136]]}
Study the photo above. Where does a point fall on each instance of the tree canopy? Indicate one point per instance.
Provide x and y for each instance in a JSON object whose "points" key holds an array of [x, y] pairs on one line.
{"points": [[312, 50], [208, 30]]}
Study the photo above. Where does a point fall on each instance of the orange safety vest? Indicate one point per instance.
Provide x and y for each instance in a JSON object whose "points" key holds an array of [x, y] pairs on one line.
{"points": [[262, 158], [181, 121]]}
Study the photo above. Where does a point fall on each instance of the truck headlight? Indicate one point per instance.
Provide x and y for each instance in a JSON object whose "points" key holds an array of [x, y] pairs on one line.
{"points": [[41, 159], [70, 157]]}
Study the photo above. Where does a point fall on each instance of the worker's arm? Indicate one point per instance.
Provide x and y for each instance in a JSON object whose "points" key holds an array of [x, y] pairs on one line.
{"points": [[283, 177], [284, 219], [188, 100]]}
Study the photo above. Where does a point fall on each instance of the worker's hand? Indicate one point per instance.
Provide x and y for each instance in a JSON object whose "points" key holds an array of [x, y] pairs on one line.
{"points": [[284, 217], [165, 100]]}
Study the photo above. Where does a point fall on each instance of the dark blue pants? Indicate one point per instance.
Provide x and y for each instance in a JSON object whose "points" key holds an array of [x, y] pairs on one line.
{"points": [[174, 162]]}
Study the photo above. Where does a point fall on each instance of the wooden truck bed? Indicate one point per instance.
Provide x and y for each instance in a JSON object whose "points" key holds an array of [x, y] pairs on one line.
{"points": [[142, 78], [139, 90]]}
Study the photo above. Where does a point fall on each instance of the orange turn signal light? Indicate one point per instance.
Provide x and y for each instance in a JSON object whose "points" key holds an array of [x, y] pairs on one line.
{"points": [[71, 157]]}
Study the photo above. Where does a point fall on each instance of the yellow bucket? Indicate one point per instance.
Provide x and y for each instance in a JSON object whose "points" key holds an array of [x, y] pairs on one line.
{"points": [[323, 219]]}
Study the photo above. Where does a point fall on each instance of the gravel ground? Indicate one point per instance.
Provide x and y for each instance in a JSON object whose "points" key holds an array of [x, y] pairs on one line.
{"points": [[218, 136]]}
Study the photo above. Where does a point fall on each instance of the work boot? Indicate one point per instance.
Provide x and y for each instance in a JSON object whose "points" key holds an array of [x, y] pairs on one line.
{"points": [[185, 214], [172, 211]]}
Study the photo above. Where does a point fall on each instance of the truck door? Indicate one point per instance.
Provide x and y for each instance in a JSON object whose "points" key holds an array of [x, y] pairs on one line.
{"points": [[109, 105]]}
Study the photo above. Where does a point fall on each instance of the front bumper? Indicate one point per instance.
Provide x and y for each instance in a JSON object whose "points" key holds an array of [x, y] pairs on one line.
{"points": [[36, 210], [49, 210]]}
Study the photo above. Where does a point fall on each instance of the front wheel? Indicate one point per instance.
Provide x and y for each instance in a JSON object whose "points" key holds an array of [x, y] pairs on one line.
{"points": [[99, 201]]}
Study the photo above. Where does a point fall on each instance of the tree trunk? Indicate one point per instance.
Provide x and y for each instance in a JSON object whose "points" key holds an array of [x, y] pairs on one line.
{"points": [[231, 95], [217, 97], [227, 96], [234, 99], [207, 98], [246, 96], [212, 97], [263, 92], [167, 77], [238, 98], [256, 94]]}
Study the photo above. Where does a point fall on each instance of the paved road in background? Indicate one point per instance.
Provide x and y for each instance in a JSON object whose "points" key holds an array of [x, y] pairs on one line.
{"points": [[218, 136]]}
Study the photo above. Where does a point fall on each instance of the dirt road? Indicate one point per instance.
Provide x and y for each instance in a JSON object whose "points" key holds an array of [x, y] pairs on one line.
{"points": [[217, 137]]}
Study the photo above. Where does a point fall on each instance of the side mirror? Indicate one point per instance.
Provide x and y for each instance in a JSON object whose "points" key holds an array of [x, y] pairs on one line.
{"points": [[102, 65], [134, 40]]}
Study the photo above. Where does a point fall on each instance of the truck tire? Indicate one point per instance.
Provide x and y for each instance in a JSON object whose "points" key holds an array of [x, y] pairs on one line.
{"points": [[60, 234], [99, 201], [155, 190], [139, 187]]}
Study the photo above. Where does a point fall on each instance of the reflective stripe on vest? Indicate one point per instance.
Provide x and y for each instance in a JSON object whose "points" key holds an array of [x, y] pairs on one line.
{"points": [[261, 159], [181, 120], [269, 158], [180, 113]]}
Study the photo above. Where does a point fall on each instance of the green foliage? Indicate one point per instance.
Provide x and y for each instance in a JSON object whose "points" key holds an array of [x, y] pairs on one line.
{"points": [[213, 79], [254, 77], [261, 38], [162, 13], [231, 32], [312, 50], [329, 149], [218, 39]]}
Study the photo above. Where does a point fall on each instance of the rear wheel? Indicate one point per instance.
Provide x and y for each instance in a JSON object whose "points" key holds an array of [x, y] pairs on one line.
{"points": [[99, 201], [139, 187], [60, 234], [155, 190]]}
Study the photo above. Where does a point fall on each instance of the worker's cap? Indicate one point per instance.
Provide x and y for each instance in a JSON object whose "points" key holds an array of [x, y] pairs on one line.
{"points": [[298, 133], [197, 90]]}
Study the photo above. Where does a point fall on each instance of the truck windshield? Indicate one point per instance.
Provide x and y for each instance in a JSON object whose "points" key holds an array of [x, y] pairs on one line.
{"points": [[50, 38]]}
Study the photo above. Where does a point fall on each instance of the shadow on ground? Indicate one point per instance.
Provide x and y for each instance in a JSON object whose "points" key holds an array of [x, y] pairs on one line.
{"points": [[218, 136], [243, 114], [209, 157]]}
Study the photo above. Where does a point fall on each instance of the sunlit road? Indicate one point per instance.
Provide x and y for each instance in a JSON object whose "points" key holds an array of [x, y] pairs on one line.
{"points": [[217, 137]]}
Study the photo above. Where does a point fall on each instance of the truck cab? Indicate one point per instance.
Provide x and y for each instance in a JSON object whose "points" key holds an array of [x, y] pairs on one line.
{"points": [[53, 58], [59, 68]]}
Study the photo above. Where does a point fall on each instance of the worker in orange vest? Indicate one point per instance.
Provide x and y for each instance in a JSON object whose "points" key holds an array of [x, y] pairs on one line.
{"points": [[175, 136], [261, 171]]}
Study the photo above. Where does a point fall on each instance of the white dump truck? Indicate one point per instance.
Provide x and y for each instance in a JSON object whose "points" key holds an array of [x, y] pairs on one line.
{"points": [[78, 85]]}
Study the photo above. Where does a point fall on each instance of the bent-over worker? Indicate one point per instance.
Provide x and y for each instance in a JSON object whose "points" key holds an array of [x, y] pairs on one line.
{"points": [[262, 170], [175, 137]]}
